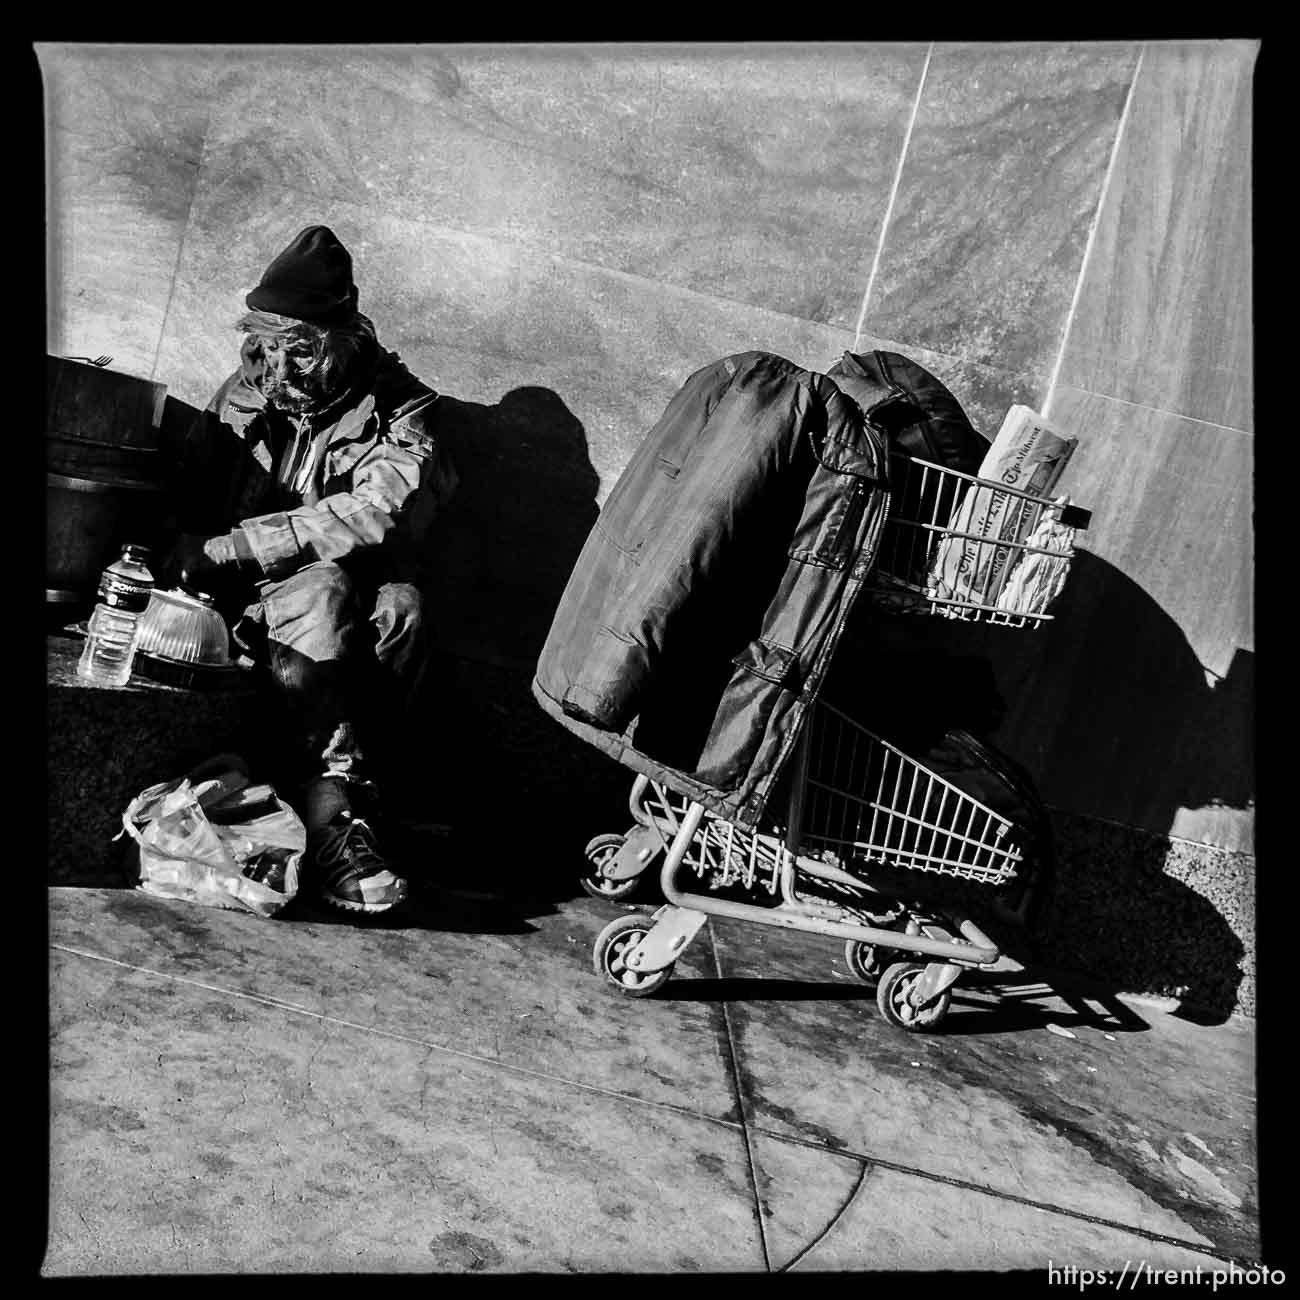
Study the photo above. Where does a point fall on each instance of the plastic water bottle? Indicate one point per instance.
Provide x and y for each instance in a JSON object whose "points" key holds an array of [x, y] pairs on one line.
{"points": [[114, 627]]}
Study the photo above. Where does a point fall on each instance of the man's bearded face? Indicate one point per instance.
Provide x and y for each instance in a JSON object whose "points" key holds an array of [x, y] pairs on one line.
{"points": [[290, 377]]}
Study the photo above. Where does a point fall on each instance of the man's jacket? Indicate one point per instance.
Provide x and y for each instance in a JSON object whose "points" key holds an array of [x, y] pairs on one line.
{"points": [[359, 481], [706, 604]]}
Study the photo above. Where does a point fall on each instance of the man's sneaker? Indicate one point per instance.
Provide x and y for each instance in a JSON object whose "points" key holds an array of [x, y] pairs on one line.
{"points": [[348, 869]]}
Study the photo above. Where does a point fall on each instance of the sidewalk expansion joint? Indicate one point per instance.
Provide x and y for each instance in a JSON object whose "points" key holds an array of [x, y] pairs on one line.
{"points": [[742, 1107], [745, 1126], [280, 1004], [965, 1185], [863, 1170]]}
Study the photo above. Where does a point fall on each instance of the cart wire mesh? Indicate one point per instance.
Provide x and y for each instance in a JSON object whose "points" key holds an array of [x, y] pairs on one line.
{"points": [[863, 803], [961, 547], [721, 852]]}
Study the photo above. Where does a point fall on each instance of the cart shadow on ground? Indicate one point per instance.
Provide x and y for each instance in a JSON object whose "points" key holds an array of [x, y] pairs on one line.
{"points": [[989, 1003]]}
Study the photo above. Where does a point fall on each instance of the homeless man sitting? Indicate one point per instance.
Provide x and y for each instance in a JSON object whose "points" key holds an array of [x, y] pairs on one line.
{"points": [[302, 496]]}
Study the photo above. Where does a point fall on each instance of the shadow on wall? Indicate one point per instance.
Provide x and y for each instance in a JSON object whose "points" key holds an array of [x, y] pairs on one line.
{"points": [[489, 761], [1141, 729], [509, 539], [1111, 712]]}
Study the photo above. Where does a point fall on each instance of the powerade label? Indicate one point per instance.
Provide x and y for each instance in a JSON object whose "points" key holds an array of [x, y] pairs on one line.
{"points": [[120, 593]]}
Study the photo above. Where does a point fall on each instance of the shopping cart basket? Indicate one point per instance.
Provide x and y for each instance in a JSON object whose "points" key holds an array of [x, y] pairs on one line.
{"points": [[962, 547], [865, 826]]}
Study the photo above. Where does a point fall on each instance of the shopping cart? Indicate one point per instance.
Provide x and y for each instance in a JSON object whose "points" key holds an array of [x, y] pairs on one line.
{"points": [[864, 823], [874, 848]]}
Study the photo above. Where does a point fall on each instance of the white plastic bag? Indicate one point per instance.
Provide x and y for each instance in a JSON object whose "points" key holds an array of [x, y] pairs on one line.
{"points": [[213, 837], [1040, 573]]}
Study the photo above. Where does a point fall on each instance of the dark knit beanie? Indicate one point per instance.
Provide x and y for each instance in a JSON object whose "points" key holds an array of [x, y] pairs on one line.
{"points": [[311, 280]]}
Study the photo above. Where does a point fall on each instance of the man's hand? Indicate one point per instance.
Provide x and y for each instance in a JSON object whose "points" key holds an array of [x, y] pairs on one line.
{"points": [[198, 561]]}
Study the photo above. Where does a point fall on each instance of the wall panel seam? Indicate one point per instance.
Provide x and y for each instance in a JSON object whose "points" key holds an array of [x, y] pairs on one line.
{"points": [[180, 247], [1247, 855], [1084, 263], [1155, 410], [893, 195]]}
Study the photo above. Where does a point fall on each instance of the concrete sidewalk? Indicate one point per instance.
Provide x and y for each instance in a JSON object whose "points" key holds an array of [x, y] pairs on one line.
{"points": [[457, 1091]]}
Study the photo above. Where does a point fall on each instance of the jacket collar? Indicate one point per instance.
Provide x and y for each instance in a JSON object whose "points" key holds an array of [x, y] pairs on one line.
{"points": [[865, 389]]}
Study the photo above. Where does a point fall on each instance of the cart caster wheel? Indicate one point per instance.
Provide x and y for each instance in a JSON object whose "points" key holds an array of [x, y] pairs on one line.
{"points": [[891, 998], [598, 852], [866, 961], [613, 944]]}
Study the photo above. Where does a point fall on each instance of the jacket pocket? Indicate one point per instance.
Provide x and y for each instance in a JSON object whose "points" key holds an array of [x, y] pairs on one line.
{"points": [[349, 440], [341, 459], [764, 676], [408, 435], [849, 471], [773, 663]]}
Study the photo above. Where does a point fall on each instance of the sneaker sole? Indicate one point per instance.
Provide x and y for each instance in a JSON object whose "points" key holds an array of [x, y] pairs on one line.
{"points": [[351, 905]]}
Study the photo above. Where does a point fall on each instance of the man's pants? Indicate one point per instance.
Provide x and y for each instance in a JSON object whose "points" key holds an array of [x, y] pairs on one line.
{"points": [[346, 661]]}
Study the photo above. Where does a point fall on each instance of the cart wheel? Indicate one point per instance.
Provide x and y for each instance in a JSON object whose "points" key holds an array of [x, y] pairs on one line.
{"points": [[891, 998], [613, 944], [598, 852], [866, 961]]}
